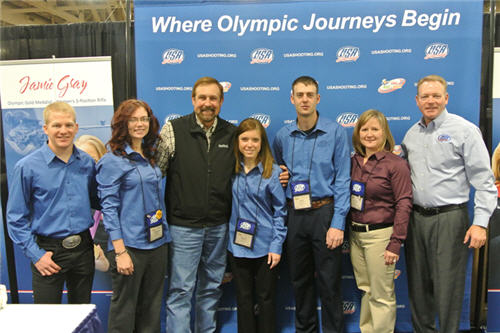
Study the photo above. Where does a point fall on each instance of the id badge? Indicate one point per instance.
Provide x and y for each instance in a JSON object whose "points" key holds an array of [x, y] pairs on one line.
{"points": [[301, 195], [358, 195], [154, 226], [244, 233]]}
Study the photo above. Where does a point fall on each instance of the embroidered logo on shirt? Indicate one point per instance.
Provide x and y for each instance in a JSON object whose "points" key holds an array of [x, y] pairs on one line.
{"points": [[299, 187], [223, 145], [444, 138]]}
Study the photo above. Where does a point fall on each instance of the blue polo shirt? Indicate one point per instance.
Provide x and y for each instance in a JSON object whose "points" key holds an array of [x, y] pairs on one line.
{"points": [[321, 157], [260, 200], [50, 197], [130, 187]]}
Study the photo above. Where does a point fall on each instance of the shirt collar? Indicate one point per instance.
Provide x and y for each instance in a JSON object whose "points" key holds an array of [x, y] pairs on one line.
{"points": [[259, 166], [437, 122], [211, 129], [320, 125], [49, 155]]}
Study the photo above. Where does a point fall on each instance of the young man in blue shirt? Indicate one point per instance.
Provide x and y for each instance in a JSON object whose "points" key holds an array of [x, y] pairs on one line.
{"points": [[49, 211], [316, 154]]}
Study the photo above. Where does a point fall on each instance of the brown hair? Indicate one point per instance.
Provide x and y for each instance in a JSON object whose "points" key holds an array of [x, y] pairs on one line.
{"points": [[363, 119], [306, 80], [119, 129], [265, 156], [205, 81], [433, 78]]}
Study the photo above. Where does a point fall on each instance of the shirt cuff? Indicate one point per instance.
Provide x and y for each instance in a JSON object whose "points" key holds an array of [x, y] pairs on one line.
{"points": [[275, 248], [394, 246], [481, 220], [338, 222], [115, 234], [35, 254]]}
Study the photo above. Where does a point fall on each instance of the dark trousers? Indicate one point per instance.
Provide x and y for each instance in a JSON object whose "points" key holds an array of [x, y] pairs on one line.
{"points": [[77, 270], [436, 261], [255, 282], [307, 256], [136, 301]]}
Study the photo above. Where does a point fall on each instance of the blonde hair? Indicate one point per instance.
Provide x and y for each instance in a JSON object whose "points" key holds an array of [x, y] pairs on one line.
{"points": [[58, 107], [94, 141], [433, 78], [388, 144], [495, 163], [265, 156]]}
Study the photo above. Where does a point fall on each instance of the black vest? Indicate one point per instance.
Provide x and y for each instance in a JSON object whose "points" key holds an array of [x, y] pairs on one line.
{"points": [[198, 192]]}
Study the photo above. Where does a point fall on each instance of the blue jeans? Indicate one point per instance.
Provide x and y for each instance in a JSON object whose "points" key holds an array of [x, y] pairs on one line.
{"points": [[197, 255]]}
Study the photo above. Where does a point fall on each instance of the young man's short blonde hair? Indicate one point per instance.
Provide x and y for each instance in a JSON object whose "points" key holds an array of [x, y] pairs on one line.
{"points": [[58, 107]]}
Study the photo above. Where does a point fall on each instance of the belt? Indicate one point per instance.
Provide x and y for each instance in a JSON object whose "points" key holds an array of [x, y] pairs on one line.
{"points": [[315, 204], [429, 211], [69, 242], [369, 227]]}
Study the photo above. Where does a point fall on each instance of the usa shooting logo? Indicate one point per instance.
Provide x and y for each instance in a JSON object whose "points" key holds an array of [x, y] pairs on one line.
{"points": [[436, 51], [172, 116], [349, 307], [347, 119], [348, 54], [391, 85], [261, 56], [173, 57], [225, 86], [264, 119]]}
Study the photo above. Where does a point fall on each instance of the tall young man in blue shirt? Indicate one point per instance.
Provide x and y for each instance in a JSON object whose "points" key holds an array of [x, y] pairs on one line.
{"points": [[316, 153], [49, 211], [447, 155]]}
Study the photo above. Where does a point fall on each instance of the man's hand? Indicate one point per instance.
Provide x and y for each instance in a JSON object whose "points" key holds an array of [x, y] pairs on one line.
{"points": [[334, 238], [284, 176], [46, 266], [273, 259], [476, 235], [124, 264]]}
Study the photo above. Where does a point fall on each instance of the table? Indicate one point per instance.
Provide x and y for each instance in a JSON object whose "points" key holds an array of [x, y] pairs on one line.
{"points": [[50, 318]]}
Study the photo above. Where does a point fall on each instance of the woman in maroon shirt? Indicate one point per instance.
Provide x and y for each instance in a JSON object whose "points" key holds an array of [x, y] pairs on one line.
{"points": [[381, 201]]}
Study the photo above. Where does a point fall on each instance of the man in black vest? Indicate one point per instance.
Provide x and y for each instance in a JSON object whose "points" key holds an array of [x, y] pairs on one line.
{"points": [[196, 154]]}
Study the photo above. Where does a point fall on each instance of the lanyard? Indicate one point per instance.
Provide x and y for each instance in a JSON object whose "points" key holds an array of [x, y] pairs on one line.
{"points": [[238, 196], [142, 185], [312, 154]]}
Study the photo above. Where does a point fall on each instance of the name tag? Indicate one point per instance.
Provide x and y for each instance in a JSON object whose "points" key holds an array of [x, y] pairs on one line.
{"points": [[154, 225], [301, 195], [358, 195], [244, 234]]}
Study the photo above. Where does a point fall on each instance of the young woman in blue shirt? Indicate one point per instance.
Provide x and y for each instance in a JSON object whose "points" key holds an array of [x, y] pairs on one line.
{"points": [[256, 228], [131, 194]]}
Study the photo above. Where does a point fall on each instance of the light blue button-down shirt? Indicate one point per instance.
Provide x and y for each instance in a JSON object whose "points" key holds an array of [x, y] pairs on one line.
{"points": [[446, 157], [130, 187], [260, 200], [327, 168], [50, 197]]}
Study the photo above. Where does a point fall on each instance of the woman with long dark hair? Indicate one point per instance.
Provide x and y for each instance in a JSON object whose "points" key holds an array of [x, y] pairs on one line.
{"points": [[131, 194], [256, 228]]}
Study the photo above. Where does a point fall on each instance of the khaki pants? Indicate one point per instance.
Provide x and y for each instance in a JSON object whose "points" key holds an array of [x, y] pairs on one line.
{"points": [[375, 279]]}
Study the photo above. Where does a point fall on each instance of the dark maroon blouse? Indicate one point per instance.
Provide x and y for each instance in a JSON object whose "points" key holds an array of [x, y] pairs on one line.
{"points": [[388, 193]]}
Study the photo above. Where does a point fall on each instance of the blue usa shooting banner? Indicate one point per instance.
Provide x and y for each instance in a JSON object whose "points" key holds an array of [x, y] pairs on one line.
{"points": [[364, 54]]}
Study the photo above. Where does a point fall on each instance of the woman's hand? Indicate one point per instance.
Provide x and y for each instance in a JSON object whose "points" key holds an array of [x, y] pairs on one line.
{"points": [[390, 258], [273, 259]]}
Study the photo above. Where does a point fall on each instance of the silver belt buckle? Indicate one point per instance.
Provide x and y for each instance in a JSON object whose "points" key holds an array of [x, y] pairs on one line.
{"points": [[71, 242]]}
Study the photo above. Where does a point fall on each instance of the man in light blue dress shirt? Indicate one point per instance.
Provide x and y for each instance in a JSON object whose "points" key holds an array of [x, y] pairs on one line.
{"points": [[49, 211], [316, 153], [447, 156]]}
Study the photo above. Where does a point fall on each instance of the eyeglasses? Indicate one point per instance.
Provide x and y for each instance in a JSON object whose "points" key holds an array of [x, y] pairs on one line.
{"points": [[135, 120]]}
